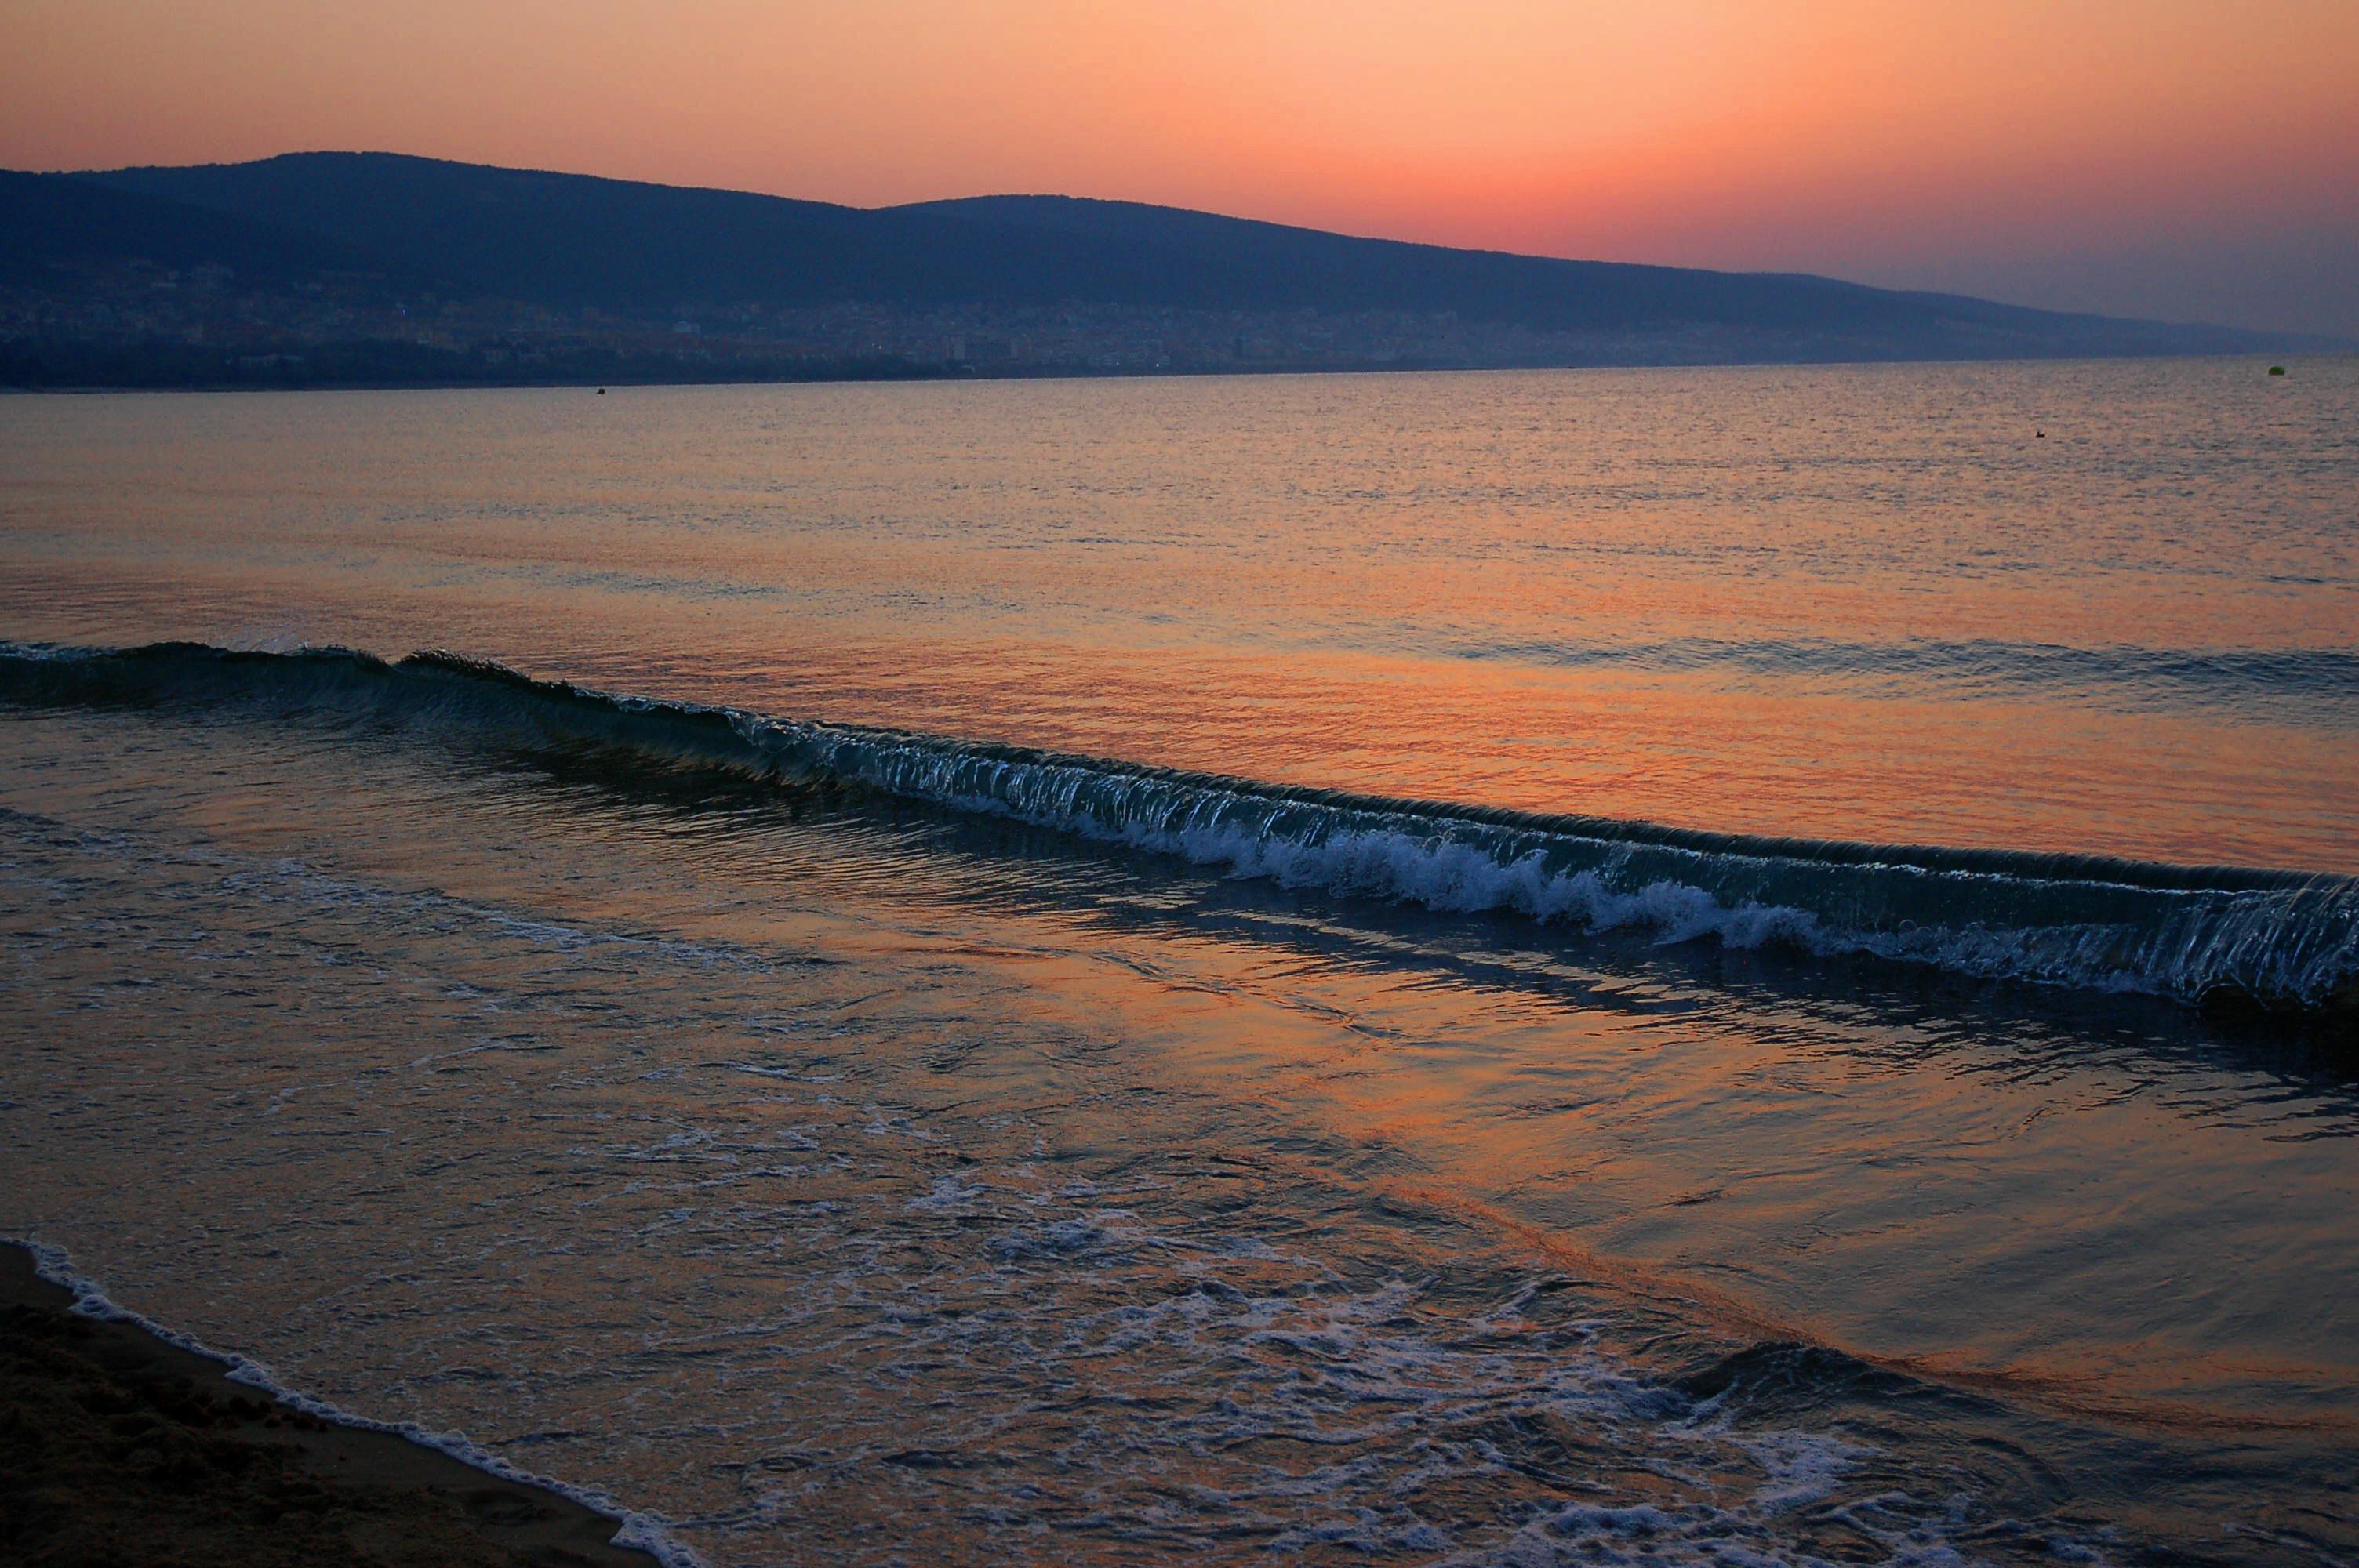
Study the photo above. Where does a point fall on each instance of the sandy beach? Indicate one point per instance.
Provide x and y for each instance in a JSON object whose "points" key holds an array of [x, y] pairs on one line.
{"points": [[118, 1449]]}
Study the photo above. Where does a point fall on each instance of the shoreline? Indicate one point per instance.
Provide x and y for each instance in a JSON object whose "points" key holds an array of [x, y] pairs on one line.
{"points": [[930, 376], [121, 1446]]}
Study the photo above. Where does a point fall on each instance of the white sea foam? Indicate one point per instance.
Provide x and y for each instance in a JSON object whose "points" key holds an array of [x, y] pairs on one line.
{"points": [[2053, 919]]}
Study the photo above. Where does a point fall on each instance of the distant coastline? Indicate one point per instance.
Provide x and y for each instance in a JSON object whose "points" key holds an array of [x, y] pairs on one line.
{"points": [[688, 376], [335, 269]]}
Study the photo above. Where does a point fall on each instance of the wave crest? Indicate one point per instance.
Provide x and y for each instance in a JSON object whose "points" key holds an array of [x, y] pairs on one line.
{"points": [[2282, 938]]}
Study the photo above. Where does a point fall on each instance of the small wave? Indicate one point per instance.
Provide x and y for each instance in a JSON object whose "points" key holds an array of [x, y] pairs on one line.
{"points": [[2292, 685], [2283, 938]]}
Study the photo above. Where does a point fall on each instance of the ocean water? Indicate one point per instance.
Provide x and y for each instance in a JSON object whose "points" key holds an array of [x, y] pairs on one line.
{"points": [[1728, 967]]}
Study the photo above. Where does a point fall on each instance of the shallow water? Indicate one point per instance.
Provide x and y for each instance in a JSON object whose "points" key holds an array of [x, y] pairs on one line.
{"points": [[2090, 608], [846, 1165]]}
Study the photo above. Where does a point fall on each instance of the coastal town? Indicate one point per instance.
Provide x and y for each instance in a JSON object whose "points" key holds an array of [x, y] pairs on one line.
{"points": [[139, 323]]}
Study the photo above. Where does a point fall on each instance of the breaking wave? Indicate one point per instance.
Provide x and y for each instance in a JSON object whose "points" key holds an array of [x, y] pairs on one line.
{"points": [[2286, 939]]}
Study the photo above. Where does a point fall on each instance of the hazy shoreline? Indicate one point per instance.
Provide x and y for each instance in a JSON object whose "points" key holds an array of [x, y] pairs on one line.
{"points": [[922, 377]]}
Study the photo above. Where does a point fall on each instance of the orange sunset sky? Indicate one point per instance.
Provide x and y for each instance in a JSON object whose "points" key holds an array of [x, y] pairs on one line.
{"points": [[2167, 158]]}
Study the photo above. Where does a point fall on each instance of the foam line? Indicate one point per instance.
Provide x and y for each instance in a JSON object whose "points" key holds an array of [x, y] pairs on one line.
{"points": [[2284, 938], [640, 1531]]}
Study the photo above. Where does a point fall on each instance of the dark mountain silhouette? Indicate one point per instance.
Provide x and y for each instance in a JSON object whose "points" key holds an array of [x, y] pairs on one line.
{"points": [[403, 226], [53, 225], [576, 240]]}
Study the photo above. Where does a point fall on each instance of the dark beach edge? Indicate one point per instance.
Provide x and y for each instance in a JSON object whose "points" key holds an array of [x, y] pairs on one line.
{"points": [[120, 1447]]}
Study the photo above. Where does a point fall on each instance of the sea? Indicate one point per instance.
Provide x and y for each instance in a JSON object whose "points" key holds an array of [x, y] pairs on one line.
{"points": [[1744, 966]]}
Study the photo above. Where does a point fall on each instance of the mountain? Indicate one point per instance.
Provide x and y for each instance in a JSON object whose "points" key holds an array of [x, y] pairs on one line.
{"points": [[576, 240], [1155, 286], [53, 223]]}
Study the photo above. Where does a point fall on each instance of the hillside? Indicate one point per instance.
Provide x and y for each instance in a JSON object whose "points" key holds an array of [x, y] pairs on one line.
{"points": [[323, 248]]}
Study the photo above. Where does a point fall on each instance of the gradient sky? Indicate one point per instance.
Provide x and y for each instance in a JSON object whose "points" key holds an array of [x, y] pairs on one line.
{"points": [[2190, 159]]}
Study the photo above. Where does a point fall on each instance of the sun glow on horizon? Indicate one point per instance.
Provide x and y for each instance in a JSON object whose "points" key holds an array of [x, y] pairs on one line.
{"points": [[2161, 157]]}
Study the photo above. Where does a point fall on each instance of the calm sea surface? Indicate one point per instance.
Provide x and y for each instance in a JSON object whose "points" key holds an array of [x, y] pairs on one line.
{"points": [[1708, 966]]}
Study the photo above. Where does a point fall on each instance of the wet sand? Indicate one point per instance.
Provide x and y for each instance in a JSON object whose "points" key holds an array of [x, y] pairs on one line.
{"points": [[118, 1449]]}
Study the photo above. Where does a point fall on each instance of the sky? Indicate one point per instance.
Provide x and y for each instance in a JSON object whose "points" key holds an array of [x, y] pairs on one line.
{"points": [[2185, 159]]}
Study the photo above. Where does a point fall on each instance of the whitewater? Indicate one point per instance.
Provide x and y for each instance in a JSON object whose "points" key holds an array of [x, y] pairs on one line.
{"points": [[2196, 934]]}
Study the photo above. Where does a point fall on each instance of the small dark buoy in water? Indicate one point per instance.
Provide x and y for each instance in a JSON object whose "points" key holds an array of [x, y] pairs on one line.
{"points": [[602, 392], [2277, 370]]}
